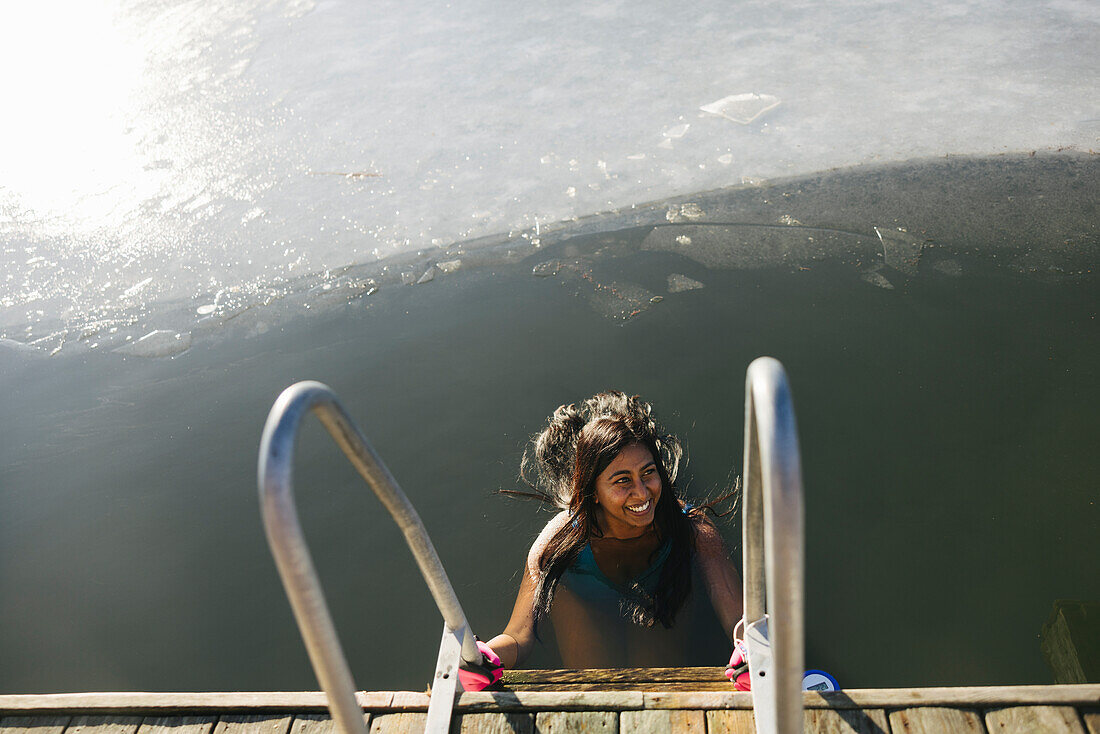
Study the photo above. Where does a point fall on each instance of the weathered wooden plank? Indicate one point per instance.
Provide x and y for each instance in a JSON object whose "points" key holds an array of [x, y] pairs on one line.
{"points": [[178, 725], [870, 698], [493, 724], [404, 723], [1092, 721], [1028, 719], [577, 722], [662, 721], [1084, 695], [724, 685], [846, 721], [179, 703], [971, 696], [699, 700], [104, 725], [935, 720], [731, 722], [546, 700], [316, 724], [410, 701], [253, 724], [516, 678], [33, 724]]}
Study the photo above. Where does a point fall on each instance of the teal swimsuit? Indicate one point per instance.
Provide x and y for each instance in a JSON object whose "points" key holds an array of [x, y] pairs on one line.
{"points": [[587, 580], [605, 615]]}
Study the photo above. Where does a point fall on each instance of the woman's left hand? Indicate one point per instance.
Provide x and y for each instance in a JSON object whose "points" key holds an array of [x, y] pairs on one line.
{"points": [[737, 670]]}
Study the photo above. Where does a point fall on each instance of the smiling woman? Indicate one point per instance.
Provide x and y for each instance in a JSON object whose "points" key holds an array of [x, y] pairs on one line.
{"points": [[619, 571]]}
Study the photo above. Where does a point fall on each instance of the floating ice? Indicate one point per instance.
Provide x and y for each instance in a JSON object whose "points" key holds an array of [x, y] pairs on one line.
{"points": [[427, 277], [900, 249], [18, 347], [159, 343], [877, 279], [136, 288], [949, 267], [684, 212], [677, 131], [742, 108], [678, 283], [449, 266], [546, 269]]}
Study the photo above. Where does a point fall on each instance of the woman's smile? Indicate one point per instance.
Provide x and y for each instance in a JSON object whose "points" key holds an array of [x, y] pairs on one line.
{"points": [[627, 492]]}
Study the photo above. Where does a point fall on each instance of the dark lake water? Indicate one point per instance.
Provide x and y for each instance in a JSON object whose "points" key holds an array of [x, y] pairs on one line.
{"points": [[945, 383]]}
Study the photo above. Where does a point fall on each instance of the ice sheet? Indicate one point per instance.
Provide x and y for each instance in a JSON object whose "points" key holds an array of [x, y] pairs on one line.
{"points": [[186, 149]]}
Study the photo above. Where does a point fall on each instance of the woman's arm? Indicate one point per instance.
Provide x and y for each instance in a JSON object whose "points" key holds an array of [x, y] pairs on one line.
{"points": [[518, 637], [719, 573]]}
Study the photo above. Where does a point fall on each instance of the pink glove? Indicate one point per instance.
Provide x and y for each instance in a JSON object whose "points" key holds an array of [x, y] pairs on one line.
{"points": [[480, 677], [737, 671]]}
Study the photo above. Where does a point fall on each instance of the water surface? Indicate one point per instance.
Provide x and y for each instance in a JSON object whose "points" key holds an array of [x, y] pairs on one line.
{"points": [[947, 403]]}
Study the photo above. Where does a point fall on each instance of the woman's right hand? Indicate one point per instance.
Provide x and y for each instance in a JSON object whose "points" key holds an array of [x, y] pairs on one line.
{"points": [[480, 677]]}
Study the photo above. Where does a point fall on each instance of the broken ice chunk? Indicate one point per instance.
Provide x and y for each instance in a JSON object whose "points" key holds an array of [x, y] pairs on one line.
{"points": [[742, 108], [159, 343], [677, 131], [876, 278], [950, 268], [546, 269], [900, 250], [691, 210], [678, 283]]}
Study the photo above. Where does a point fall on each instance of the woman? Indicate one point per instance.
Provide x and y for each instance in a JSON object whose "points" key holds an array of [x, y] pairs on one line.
{"points": [[622, 569]]}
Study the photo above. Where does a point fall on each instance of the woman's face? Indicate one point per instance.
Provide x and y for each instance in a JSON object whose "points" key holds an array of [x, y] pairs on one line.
{"points": [[627, 492]]}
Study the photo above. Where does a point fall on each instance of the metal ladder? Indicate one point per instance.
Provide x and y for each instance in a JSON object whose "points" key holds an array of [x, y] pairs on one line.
{"points": [[772, 542], [288, 545]]}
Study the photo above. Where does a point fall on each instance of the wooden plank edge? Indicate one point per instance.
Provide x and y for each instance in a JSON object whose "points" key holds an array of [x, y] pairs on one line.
{"points": [[525, 677], [868, 698], [143, 703], [314, 701], [140, 702]]}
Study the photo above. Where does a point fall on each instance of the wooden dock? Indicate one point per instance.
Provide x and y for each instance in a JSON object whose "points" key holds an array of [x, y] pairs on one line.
{"points": [[532, 702]]}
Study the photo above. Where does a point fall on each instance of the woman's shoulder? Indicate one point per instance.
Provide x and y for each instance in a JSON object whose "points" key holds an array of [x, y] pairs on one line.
{"points": [[557, 522], [708, 539]]}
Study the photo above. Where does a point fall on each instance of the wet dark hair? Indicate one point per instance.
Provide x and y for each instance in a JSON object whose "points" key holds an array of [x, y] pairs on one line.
{"points": [[561, 466]]}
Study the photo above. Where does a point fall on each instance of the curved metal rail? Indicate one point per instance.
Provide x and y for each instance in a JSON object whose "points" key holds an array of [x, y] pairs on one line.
{"points": [[772, 530], [288, 545]]}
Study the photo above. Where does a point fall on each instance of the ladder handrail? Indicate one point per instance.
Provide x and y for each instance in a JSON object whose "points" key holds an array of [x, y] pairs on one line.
{"points": [[773, 528], [292, 557]]}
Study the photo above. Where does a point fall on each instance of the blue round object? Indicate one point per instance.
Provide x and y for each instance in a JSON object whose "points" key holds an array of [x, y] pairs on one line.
{"points": [[819, 680]]}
